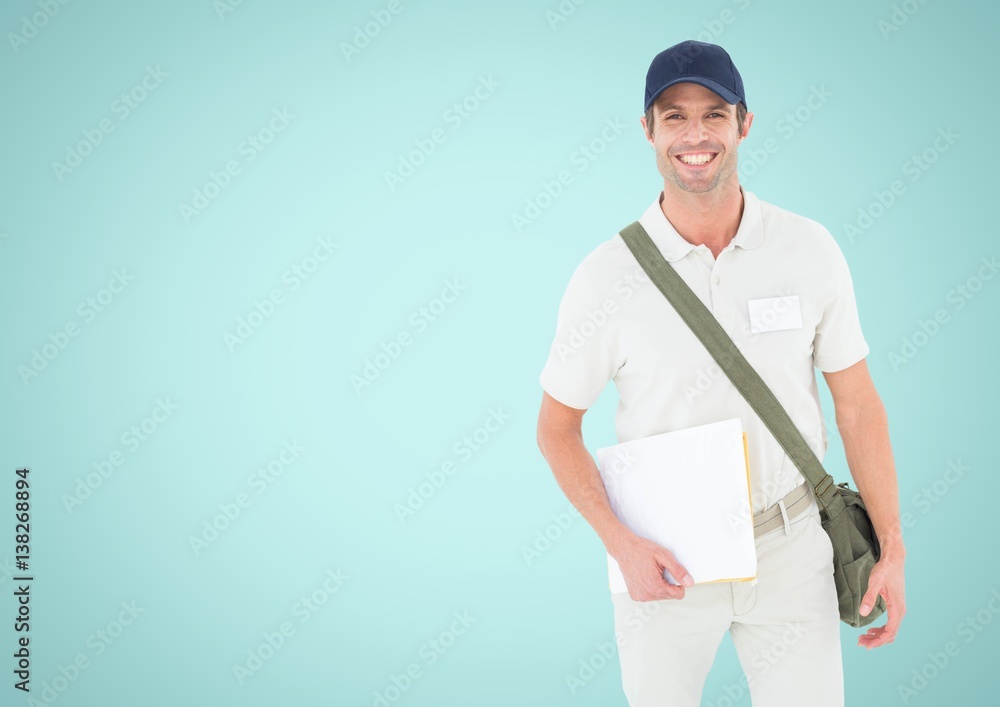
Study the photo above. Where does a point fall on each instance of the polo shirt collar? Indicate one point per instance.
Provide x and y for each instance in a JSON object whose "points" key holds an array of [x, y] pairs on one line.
{"points": [[750, 234]]}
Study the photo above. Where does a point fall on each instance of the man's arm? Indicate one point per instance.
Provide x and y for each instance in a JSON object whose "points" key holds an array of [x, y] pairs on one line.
{"points": [[642, 561], [863, 425]]}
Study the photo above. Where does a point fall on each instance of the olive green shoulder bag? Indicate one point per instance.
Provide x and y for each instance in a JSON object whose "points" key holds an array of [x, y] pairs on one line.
{"points": [[842, 512]]}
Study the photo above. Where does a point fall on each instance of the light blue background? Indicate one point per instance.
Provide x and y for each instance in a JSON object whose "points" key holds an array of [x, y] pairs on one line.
{"points": [[323, 176]]}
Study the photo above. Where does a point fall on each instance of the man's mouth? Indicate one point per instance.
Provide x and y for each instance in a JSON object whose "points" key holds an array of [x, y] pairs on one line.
{"points": [[697, 159]]}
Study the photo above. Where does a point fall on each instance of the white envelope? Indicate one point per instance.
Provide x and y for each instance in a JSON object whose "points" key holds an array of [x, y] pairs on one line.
{"points": [[689, 491]]}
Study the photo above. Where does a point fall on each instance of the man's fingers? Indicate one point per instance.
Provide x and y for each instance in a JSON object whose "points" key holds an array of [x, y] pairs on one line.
{"points": [[867, 603], [657, 587], [895, 612], [871, 596], [664, 591], [646, 569], [671, 591], [875, 638], [881, 635], [666, 559]]}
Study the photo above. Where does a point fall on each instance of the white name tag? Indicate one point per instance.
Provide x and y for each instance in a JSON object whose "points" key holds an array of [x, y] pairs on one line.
{"points": [[774, 314]]}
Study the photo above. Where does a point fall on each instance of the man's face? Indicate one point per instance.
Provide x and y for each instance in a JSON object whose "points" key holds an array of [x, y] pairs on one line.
{"points": [[695, 137]]}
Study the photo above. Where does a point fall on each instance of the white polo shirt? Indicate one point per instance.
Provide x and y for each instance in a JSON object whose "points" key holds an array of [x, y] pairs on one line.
{"points": [[781, 289]]}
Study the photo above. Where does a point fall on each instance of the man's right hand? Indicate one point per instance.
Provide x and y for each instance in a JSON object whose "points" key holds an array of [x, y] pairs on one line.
{"points": [[642, 562]]}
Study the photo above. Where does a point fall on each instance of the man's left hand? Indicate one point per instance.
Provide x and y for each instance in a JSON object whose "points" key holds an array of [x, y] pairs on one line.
{"points": [[886, 579]]}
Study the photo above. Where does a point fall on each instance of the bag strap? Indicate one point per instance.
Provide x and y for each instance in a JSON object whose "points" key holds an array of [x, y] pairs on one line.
{"points": [[708, 330]]}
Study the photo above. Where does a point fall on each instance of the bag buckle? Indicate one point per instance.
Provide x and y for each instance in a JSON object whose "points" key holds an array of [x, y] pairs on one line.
{"points": [[824, 485]]}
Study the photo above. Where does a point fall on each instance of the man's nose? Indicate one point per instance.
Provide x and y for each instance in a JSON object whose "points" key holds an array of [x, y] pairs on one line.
{"points": [[695, 131]]}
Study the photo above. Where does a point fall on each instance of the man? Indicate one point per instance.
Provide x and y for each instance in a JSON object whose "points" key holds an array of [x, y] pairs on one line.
{"points": [[738, 253]]}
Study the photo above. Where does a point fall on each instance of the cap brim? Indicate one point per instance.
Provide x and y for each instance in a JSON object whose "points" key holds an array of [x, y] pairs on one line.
{"points": [[711, 85]]}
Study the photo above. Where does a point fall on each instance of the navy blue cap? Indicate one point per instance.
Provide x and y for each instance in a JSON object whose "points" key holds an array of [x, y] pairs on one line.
{"points": [[707, 65]]}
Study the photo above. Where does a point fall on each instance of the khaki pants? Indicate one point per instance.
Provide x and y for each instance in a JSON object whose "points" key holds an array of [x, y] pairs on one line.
{"points": [[785, 626]]}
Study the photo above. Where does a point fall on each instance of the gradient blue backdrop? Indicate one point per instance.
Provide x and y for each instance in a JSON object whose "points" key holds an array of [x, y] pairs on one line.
{"points": [[550, 77]]}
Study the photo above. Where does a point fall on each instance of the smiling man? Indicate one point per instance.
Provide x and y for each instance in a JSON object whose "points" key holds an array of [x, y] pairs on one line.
{"points": [[779, 285]]}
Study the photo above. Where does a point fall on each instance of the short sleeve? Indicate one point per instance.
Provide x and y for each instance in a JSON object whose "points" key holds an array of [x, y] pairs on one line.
{"points": [[580, 361], [839, 342]]}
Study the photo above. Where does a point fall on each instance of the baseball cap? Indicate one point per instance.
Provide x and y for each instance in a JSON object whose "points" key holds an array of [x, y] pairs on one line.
{"points": [[707, 65]]}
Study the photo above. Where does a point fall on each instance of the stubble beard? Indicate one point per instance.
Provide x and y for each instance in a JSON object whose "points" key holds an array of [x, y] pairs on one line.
{"points": [[671, 172]]}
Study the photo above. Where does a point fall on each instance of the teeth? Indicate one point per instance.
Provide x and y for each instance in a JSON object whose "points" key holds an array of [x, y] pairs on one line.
{"points": [[696, 159]]}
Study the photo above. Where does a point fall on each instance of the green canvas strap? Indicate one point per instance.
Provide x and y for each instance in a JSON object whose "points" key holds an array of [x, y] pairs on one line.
{"points": [[708, 330]]}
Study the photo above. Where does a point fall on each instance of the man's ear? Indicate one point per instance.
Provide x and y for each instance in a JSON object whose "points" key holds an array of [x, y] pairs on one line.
{"points": [[747, 120], [645, 130]]}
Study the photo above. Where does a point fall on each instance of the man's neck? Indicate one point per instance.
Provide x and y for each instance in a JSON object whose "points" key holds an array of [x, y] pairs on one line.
{"points": [[709, 218]]}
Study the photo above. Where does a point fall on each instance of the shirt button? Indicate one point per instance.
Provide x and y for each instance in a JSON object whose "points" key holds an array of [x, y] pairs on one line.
{"points": [[716, 279]]}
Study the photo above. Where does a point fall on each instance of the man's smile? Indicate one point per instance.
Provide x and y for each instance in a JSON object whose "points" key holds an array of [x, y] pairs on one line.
{"points": [[696, 159]]}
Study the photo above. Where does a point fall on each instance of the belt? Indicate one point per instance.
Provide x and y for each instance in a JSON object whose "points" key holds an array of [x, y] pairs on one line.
{"points": [[792, 505]]}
